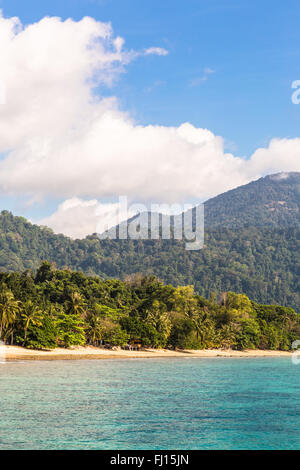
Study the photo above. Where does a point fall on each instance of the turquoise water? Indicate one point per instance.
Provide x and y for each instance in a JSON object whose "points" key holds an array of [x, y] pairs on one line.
{"points": [[151, 404]]}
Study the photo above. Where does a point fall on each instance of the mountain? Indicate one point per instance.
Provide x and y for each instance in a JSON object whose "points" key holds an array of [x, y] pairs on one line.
{"points": [[272, 201], [252, 245]]}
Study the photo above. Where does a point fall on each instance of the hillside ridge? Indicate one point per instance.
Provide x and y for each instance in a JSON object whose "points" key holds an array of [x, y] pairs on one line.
{"points": [[252, 245]]}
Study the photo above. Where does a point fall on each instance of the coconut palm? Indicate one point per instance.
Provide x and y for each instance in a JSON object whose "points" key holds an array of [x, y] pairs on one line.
{"points": [[159, 319], [227, 336], [9, 309], [32, 315], [203, 326], [94, 330], [76, 304]]}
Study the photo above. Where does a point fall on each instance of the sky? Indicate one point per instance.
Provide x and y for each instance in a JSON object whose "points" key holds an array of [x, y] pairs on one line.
{"points": [[167, 102]]}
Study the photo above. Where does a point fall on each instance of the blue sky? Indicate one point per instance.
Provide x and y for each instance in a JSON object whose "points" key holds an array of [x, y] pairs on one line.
{"points": [[229, 68], [252, 45]]}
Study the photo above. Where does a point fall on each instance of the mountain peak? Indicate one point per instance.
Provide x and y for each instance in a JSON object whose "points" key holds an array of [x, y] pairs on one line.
{"points": [[270, 201]]}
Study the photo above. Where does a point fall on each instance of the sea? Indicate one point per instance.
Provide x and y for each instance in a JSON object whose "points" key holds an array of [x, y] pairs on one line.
{"points": [[134, 404]]}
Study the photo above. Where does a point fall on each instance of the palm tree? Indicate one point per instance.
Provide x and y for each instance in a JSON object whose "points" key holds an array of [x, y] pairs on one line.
{"points": [[94, 329], [159, 319], [9, 308], [32, 315], [203, 326], [185, 300], [76, 304], [227, 336], [288, 323]]}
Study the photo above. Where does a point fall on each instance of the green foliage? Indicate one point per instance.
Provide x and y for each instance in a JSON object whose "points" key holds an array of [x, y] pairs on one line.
{"points": [[41, 337], [145, 332], [65, 308], [252, 250], [70, 330], [252, 245], [249, 334], [114, 335], [183, 335]]}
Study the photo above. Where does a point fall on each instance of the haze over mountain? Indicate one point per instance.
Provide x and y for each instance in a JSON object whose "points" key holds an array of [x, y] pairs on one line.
{"points": [[252, 245]]}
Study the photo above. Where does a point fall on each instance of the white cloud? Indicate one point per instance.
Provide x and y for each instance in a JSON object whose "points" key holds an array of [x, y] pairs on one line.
{"points": [[77, 218], [156, 51], [62, 140]]}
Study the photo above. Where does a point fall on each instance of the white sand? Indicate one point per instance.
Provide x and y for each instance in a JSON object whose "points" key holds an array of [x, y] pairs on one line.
{"points": [[13, 353]]}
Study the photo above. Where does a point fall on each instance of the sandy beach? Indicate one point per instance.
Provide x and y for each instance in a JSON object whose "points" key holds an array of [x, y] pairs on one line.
{"points": [[15, 353]]}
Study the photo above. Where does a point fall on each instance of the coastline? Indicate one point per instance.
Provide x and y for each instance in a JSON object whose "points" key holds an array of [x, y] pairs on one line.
{"points": [[16, 353]]}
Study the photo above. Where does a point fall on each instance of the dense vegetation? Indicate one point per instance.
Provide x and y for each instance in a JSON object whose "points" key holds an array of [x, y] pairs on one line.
{"points": [[252, 245], [263, 263], [64, 308], [270, 202]]}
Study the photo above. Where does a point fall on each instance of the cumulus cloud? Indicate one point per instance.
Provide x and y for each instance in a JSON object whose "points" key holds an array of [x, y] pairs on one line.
{"points": [[61, 139], [77, 218]]}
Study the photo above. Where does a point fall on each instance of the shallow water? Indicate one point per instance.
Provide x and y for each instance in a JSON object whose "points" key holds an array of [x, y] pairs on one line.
{"points": [[217, 403]]}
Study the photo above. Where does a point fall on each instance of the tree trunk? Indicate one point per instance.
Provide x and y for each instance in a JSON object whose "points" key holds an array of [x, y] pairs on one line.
{"points": [[25, 337]]}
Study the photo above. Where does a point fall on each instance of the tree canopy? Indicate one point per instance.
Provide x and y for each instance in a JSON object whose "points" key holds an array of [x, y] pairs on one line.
{"points": [[53, 307]]}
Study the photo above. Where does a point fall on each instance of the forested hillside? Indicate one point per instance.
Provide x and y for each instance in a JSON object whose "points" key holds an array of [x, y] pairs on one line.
{"points": [[273, 201], [252, 245]]}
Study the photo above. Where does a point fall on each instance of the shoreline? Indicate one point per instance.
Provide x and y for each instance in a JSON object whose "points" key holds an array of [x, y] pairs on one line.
{"points": [[17, 353]]}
